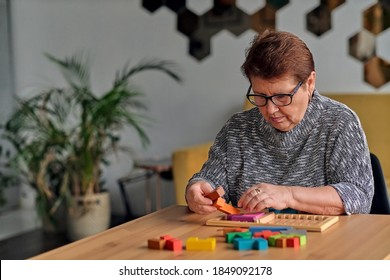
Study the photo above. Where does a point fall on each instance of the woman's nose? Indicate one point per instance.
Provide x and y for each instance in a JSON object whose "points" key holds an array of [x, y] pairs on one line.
{"points": [[271, 107]]}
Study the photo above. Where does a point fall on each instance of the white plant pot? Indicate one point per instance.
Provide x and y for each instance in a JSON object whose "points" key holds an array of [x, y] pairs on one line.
{"points": [[90, 215]]}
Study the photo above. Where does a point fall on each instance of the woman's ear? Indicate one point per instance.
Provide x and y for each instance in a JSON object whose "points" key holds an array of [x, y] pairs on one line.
{"points": [[311, 83]]}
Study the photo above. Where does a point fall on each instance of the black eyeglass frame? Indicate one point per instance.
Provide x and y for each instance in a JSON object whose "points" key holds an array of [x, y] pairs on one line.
{"points": [[295, 90]]}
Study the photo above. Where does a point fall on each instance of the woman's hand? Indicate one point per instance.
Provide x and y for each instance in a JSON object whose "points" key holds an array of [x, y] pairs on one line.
{"points": [[264, 195], [196, 200]]}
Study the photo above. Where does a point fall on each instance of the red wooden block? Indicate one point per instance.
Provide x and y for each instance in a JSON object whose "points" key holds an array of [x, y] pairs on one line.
{"points": [[265, 233], [293, 242], [166, 237], [173, 245]]}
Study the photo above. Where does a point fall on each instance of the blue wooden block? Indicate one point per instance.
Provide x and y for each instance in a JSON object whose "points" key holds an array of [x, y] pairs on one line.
{"points": [[295, 231], [271, 228], [250, 244], [243, 244], [260, 244]]}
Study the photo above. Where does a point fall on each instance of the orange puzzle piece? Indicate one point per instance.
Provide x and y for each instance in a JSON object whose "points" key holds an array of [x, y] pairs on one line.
{"points": [[220, 203], [157, 244], [222, 206], [216, 193]]}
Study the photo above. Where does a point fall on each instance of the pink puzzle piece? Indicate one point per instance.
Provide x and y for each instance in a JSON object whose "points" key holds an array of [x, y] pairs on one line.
{"points": [[246, 217]]}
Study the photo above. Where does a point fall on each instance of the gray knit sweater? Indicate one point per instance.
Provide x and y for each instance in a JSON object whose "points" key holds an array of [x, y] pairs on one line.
{"points": [[328, 147]]}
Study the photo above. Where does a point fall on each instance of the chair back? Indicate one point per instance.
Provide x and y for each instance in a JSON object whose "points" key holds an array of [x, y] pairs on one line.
{"points": [[380, 202], [185, 163]]}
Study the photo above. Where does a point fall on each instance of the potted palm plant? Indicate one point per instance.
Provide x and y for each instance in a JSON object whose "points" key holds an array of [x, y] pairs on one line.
{"points": [[63, 135]]}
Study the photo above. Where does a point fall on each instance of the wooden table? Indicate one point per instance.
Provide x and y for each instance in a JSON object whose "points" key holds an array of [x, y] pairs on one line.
{"points": [[353, 237]]}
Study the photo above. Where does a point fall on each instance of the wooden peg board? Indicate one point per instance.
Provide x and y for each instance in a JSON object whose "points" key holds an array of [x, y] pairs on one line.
{"points": [[299, 221]]}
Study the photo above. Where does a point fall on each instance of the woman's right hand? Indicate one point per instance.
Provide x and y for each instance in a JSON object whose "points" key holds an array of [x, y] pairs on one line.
{"points": [[196, 200]]}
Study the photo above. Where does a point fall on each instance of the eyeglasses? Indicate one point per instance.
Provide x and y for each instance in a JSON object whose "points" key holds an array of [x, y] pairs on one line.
{"points": [[280, 99]]}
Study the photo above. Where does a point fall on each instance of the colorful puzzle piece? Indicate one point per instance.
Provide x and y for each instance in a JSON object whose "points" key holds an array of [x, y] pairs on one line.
{"points": [[254, 229], [245, 217], [216, 193], [230, 236], [220, 203], [281, 242], [260, 244], [222, 206], [166, 242], [226, 230], [265, 233], [196, 244], [173, 245], [293, 242], [157, 244], [294, 231], [249, 244]]}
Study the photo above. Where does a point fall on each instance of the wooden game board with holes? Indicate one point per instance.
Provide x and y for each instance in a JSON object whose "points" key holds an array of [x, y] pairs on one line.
{"points": [[299, 221]]}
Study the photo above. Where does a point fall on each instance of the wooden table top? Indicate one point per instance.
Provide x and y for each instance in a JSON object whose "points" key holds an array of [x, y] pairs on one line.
{"points": [[155, 164], [353, 237]]}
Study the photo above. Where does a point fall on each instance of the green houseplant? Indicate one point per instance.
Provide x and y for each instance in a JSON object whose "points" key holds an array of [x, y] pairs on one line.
{"points": [[63, 135]]}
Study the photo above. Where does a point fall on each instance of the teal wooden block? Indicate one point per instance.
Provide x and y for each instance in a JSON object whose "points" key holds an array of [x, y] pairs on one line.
{"points": [[260, 244], [243, 244], [230, 236]]}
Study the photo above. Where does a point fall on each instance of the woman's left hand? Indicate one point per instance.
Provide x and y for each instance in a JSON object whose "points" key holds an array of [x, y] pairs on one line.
{"points": [[264, 195]]}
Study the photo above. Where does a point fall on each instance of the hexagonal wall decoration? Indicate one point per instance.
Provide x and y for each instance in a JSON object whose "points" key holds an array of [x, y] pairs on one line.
{"points": [[223, 15], [209, 18], [377, 72], [377, 18], [319, 20], [362, 45]]}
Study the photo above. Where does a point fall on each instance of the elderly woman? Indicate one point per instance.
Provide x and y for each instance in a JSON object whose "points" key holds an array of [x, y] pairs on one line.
{"points": [[296, 150]]}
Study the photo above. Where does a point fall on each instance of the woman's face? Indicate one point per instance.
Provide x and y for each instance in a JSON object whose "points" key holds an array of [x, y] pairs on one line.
{"points": [[287, 117]]}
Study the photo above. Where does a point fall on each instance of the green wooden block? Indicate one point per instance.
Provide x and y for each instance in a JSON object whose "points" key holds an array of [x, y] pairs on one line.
{"points": [[231, 235]]}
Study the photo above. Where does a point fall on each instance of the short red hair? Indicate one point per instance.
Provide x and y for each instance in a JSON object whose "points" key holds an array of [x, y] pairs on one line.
{"points": [[274, 54]]}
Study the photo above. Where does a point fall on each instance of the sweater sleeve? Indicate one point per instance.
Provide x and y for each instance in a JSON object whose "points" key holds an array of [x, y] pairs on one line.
{"points": [[350, 165], [214, 170]]}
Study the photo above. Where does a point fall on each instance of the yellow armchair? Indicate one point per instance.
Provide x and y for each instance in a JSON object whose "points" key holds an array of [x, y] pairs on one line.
{"points": [[185, 163], [374, 114]]}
